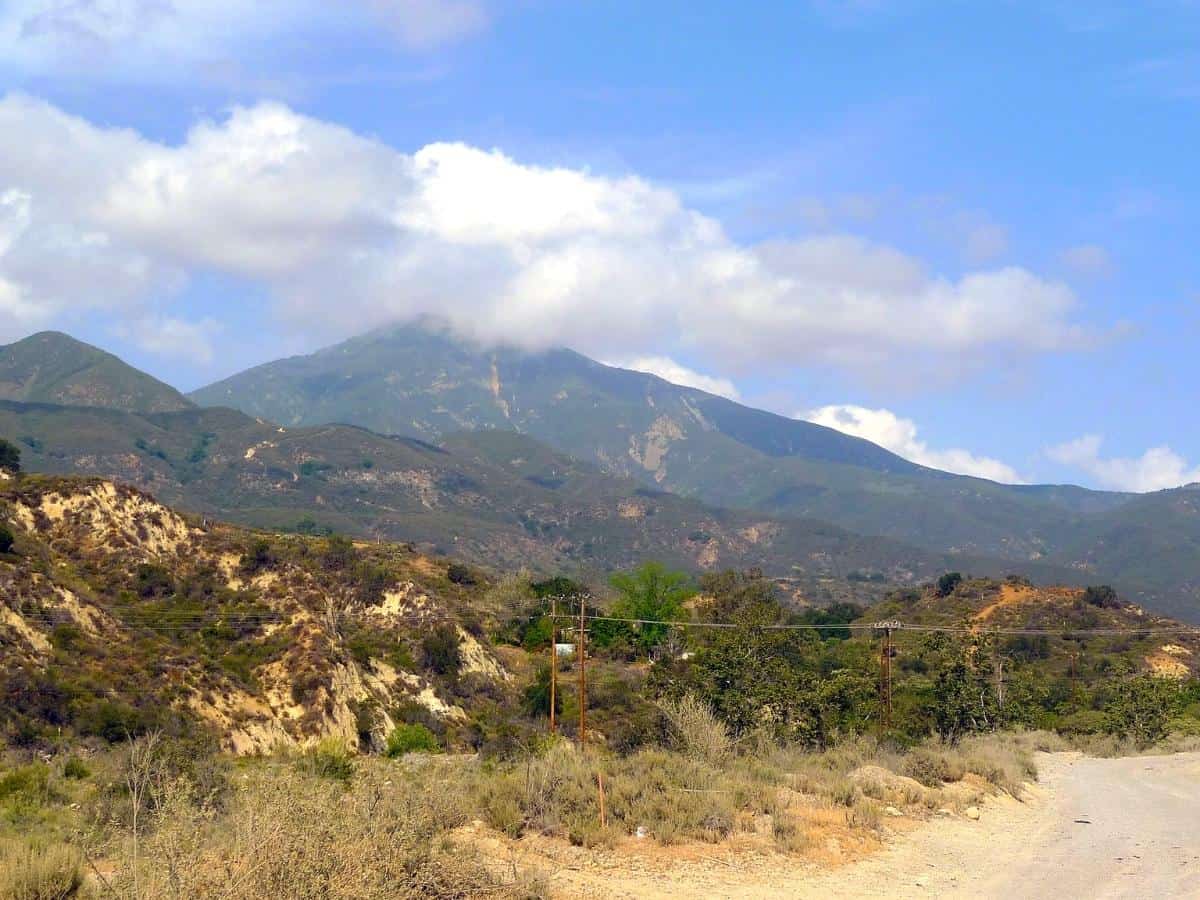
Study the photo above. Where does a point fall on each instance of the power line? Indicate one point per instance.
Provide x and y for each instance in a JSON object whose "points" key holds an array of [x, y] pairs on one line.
{"points": [[900, 626], [167, 620]]}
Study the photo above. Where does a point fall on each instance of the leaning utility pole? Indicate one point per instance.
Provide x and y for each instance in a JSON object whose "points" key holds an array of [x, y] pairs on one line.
{"points": [[553, 661], [581, 656]]}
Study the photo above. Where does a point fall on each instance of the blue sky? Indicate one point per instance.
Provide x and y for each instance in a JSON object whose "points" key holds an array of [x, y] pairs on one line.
{"points": [[965, 230]]}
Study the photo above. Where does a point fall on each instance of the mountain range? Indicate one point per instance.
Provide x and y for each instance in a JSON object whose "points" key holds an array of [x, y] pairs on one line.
{"points": [[547, 458], [421, 380]]}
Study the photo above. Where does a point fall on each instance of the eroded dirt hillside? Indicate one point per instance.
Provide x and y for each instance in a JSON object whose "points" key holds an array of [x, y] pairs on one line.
{"points": [[115, 610]]}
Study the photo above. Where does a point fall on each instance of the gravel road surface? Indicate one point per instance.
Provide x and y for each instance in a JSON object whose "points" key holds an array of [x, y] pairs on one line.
{"points": [[1093, 828]]}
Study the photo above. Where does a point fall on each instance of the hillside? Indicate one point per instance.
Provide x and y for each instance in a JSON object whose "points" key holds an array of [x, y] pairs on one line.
{"points": [[51, 367], [1153, 541], [993, 609], [422, 381], [118, 614], [495, 498]]}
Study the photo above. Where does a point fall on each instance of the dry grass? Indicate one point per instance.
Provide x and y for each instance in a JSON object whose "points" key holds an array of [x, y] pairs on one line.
{"points": [[697, 731], [676, 797], [288, 834], [1110, 746], [323, 824], [33, 870]]}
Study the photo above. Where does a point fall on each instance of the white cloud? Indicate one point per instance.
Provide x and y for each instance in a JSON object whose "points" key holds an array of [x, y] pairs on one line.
{"points": [[1155, 470], [346, 233], [1087, 259], [162, 38], [17, 314], [885, 428], [170, 336], [985, 242], [669, 370], [426, 23]]}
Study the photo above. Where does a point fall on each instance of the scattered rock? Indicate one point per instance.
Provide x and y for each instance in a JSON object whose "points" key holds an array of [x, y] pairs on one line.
{"points": [[892, 811], [972, 813]]}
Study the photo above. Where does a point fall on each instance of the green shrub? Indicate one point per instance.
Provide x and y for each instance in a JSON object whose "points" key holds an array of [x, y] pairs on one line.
{"points": [[1102, 596], [10, 456], [28, 782], [259, 557], [931, 768], [411, 739], [339, 553], [6, 540], [331, 759], [312, 468], [441, 650], [113, 720], [460, 574], [76, 769]]}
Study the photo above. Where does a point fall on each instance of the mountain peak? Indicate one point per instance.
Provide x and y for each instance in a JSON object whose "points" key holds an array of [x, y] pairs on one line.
{"points": [[53, 367]]}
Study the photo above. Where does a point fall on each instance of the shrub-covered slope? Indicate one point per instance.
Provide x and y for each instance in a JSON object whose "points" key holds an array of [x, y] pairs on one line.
{"points": [[492, 497], [51, 367], [117, 614]]}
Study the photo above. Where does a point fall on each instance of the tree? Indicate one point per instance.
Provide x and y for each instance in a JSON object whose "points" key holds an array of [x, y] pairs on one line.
{"points": [[6, 540], [651, 592], [457, 573], [10, 457], [537, 695], [339, 553], [756, 675], [1102, 596], [260, 557], [442, 650], [962, 699], [948, 583], [1141, 708]]}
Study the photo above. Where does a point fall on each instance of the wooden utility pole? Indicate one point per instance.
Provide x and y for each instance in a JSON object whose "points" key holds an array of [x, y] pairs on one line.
{"points": [[603, 810], [553, 661], [998, 670], [885, 676], [581, 657]]}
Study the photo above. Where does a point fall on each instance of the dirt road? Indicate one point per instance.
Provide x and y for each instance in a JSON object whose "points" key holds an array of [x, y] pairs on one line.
{"points": [[1091, 828]]}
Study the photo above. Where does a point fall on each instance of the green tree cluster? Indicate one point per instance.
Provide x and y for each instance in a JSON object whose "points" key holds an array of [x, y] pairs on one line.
{"points": [[10, 457], [648, 596]]}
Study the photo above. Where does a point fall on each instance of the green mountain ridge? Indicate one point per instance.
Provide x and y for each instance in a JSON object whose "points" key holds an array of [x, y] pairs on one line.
{"points": [[421, 380], [51, 367], [493, 497]]}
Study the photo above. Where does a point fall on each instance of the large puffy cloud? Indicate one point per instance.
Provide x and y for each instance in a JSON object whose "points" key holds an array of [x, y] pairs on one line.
{"points": [[345, 233], [885, 428], [1155, 470]]}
